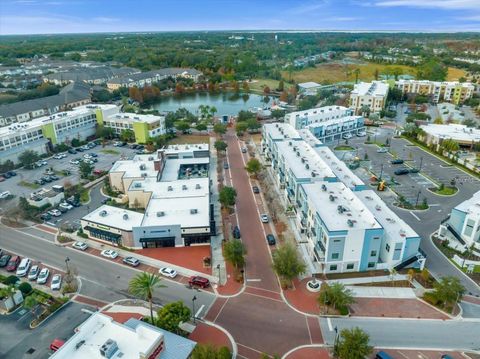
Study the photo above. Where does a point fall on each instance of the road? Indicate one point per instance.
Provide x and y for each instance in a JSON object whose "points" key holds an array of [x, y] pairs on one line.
{"points": [[101, 279], [404, 333]]}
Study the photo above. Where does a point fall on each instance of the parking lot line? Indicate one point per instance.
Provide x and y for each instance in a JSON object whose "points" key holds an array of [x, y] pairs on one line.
{"points": [[413, 214]]}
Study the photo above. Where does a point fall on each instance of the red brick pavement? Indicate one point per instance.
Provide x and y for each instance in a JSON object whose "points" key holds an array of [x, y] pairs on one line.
{"points": [[392, 307], [215, 309], [90, 301], [263, 293], [47, 228], [310, 353], [302, 299], [231, 287], [207, 334], [247, 352], [471, 299], [314, 330]]}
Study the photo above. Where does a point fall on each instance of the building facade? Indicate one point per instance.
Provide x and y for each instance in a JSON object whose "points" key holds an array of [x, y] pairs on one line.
{"points": [[453, 91], [302, 119], [463, 135], [368, 95]]}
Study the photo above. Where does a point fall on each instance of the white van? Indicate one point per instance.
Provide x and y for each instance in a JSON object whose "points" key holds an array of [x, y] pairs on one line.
{"points": [[23, 267]]}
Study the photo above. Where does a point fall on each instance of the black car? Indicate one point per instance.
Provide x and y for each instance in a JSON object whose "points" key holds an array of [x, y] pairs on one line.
{"points": [[73, 201], [46, 179], [133, 147], [225, 165], [396, 161], [131, 261], [72, 151], [271, 239], [105, 200], [12, 173], [4, 260], [255, 189], [54, 177], [402, 171], [236, 232], [93, 154], [79, 149], [45, 216], [39, 181], [140, 147], [6, 175]]}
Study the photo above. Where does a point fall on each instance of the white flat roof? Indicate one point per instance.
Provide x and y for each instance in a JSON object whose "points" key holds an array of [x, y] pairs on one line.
{"points": [[453, 131], [302, 160], [278, 130], [309, 84], [173, 149], [328, 211], [436, 83], [334, 121], [136, 167], [394, 226], [374, 88], [101, 106], [133, 117], [97, 329], [471, 205], [319, 111], [110, 216]]}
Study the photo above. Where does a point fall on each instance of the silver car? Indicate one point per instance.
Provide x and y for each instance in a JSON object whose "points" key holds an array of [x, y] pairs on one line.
{"points": [[43, 276]]}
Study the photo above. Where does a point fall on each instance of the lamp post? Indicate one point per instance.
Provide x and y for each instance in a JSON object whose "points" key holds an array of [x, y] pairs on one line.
{"points": [[193, 307], [335, 341], [416, 201], [381, 171], [421, 162], [219, 279], [66, 264]]}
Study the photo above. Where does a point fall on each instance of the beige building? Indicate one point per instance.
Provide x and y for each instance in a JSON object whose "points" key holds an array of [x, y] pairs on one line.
{"points": [[453, 91], [370, 95]]}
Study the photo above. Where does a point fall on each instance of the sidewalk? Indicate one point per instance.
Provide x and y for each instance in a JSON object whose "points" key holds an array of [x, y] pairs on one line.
{"points": [[362, 280], [382, 292]]}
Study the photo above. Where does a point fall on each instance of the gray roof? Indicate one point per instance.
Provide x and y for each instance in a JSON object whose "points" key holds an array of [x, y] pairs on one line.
{"points": [[91, 73], [170, 71], [71, 93]]}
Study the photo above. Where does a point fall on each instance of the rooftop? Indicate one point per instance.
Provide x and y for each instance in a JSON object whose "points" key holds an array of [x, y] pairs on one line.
{"points": [[139, 166], [135, 339], [427, 82], [471, 205], [181, 168], [123, 219], [334, 121], [338, 207], [374, 88], [320, 111], [182, 148], [281, 131], [394, 226], [309, 85], [172, 71], [453, 131], [133, 117]]}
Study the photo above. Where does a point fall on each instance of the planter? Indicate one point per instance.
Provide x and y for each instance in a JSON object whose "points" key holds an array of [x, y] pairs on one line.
{"points": [[314, 285]]}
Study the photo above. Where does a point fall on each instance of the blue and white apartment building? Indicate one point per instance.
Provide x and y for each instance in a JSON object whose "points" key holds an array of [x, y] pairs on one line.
{"points": [[342, 225], [329, 123]]}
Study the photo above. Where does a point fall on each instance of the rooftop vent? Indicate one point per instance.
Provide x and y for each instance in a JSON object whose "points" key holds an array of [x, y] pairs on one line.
{"points": [[170, 188], [194, 211], [324, 187], [108, 349], [144, 174], [160, 214], [184, 187], [197, 186], [143, 167], [331, 198], [137, 185], [103, 213], [350, 222], [125, 216], [313, 174]]}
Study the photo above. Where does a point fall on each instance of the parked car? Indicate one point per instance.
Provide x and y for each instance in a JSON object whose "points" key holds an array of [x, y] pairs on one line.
{"points": [[105, 200], [54, 177], [40, 181], [23, 267], [56, 344], [131, 261], [74, 162], [396, 161], [80, 245], [13, 264], [34, 272], [58, 156], [73, 201], [198, 281], [79, 149], [382, 150], [168, 272], [45, 216], [382, 355], [87, 156], [236, 232], [12, 173], [271, 239], [5, 195], [55, 212], [347, 136], [109, 253], [264, 218], [133, 146], [6, 175], [43, 276], [56, 283], [4, 260], [46, 179], [62, 209], [2, 178], [225, 165], [402, 171], [65, 205], [72, 151], [244, 150], [361, 134], [255, 189]]}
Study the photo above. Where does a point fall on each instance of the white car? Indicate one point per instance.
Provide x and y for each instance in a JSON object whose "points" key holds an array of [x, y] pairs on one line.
{"points": [[65, 205], [33, 274], [80, 245], [87, 156], [23, 267], [264, 218], [55, 213], [74, 162], [347, 136], [382, 150], [5, 195], [56, 282], [109, 253], [58, 156], [168, 272], [361, 134], [43, 276]]}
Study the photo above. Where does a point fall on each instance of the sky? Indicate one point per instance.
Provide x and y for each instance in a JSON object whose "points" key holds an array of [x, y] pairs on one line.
{"points": [[83, 16]]}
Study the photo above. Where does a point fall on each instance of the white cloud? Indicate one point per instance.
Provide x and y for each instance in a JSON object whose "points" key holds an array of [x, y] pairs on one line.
{"points": [[105, 19], [308, 7], [440, 4], [343, 18]]}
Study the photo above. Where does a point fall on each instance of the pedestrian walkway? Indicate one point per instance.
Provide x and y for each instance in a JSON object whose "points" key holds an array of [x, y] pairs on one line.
{"points": [[363, 280], [382, 292]]}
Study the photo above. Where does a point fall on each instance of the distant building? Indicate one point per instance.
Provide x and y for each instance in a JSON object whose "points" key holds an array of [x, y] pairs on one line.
{"points": [[371, 95], [72, 95], [309, 88], [463, 135], [90, 75], [302, 119], [148, 78], [101, 337], [455, 92]]}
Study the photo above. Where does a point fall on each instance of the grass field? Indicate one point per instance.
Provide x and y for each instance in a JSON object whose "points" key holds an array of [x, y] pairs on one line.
{"points": [[110, 152], [454, 73], [259, 84], [189, 139]]}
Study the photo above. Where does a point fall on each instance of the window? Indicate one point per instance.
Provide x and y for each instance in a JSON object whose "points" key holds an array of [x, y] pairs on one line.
{"points": [[335, 255], [371, 264], [387, 247], [333, 267], [350, 266], [373, 253]]}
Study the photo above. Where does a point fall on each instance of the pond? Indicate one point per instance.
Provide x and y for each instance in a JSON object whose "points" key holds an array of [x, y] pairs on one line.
{"points": [[226, 103]]}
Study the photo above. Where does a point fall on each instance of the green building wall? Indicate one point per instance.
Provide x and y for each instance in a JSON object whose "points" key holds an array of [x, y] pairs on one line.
{"points": [[49, 132], [99, 115], [141, 132]]}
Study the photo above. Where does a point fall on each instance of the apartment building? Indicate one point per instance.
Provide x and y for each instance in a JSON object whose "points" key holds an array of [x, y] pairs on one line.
{"points": [[453, 91], [371, 95], [148, 78], [92, 75], [340, 224], [301, 119], [172, 190], [81, 122], [464, 223], [463, 135]]}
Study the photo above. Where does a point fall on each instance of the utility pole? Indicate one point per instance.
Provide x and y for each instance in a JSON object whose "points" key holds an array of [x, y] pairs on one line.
{"points": [[418, 195]]}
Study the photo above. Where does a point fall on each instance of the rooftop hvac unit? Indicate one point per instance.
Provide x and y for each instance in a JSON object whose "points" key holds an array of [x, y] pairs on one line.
{"points": [[184, 187], [197, 186], [143, 167], [194, 211], [307, 166], [125, 216], [170, 188], [324, 187], [313, 174], [331, 198], [160, 214], [341, 209], [290, 143], [303, 160], [108, 349], [144, 174], [350, 222], [298, 154], [137, 185], [103, 213], [150, 158]]}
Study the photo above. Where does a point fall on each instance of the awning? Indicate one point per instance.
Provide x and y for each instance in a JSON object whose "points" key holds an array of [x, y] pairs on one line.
{"points": [[156, 239], [104, 233]]}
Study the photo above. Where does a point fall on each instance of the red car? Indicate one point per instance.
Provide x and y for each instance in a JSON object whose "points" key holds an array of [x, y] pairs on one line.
{"points": [[198, 282], [13, 264], [56, 344]]}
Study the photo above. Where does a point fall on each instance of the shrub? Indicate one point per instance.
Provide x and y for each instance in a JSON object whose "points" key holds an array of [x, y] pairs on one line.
{"points": [[25, 288], [11, 280], [431, 298]]}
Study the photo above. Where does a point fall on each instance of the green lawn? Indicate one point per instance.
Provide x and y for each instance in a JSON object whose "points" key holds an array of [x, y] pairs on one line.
{"points": [[189, 139], [446, 191], [110, 152], [344, 148], [259, 84], [84, 196], [28, 184]]}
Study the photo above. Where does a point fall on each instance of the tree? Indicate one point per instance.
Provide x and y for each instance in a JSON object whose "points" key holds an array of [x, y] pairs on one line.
{"points": [[425, 274], [353, 344], [356, 72], [286, 262], [219, 128], [448, 290], [278, 113], [336, 295], [281, 86], [245, 86], [204, 351], [183, 126], [411, 275], [253, 166], [220, 146], [450, 145], [438, 121], [135, 94], [241, 127], [375, 74], [266, 90], [85, 169], [227, 196], [201, 126], [234, 252], [143, 285], [127, 135], [28, 158], [171, 315], [253, 124]]}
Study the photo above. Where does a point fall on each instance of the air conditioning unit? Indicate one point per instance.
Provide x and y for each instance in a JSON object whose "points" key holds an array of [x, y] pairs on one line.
{"points": [[197, 186], [108, 349], [184, 187], [160, 214], [125, 216], [170, 188], [103, 213], [350, 222], [194, 211]]}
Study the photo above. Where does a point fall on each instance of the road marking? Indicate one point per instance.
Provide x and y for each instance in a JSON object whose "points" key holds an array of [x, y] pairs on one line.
{"points": [[413, 214], [86, 311], [199, 311], [220, 311], [329, 322], [308, 328], [254, 280], [434, 205]]}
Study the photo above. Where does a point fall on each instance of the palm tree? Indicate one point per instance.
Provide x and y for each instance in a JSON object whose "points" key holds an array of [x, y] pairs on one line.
{"points": [[356, 72], [143, 285], [336, 295]]}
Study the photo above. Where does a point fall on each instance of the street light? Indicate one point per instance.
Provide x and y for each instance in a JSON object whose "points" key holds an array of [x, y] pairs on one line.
{"points": [[335, 341], [193, 307], [219, 280], [418, 195], [421, 161], [66, 264], [381, 171]]}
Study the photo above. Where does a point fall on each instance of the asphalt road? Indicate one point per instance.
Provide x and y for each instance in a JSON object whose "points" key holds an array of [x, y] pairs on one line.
{"points": [[405, 333], [101, 278]]}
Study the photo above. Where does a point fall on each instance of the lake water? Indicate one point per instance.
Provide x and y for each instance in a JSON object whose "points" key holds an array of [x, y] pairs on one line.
{"points": [[226, 103]]}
